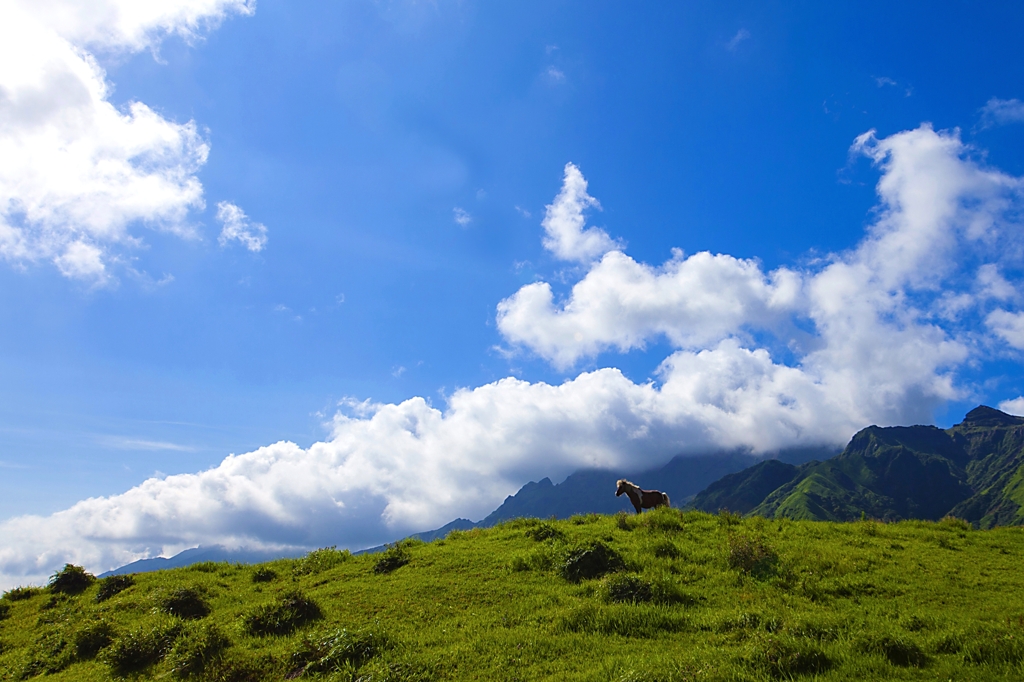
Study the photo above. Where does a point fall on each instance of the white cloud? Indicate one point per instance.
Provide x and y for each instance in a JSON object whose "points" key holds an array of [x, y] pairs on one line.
{"points": [[866, 326], [462, 217], [564, 223], [1001, 112], [238, 227], [621, 304], [1015, 406], [76, 172], [393, 469], [130, 24], [1008, 326], [734, 42], [760, 361]]}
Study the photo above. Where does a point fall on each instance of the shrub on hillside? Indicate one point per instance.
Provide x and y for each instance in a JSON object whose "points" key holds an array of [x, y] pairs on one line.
{"points": [[20, 593], [5, 610], [320, 560], [292, 610], [544, 531], [623, 521], [590, 561], [199, 645], [394, 557], [264, 574], [185, 602], [70, 580], [752, 555], [113, 585]]}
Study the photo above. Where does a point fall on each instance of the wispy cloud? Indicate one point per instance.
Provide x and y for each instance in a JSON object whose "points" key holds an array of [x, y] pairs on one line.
{"points": [[1001, 112], [238, 227], [554, 75], [129, 443], [734, 42], [462, 216]]}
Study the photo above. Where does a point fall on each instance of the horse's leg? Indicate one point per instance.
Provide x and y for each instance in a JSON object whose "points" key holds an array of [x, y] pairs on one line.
{"points": [[636, 500]]}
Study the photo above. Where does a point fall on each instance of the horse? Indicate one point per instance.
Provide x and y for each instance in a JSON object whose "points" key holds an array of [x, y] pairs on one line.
{"points": [[641, 499]]}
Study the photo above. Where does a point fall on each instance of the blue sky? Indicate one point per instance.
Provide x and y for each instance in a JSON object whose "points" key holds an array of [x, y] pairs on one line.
{"points": [[391, 165]]}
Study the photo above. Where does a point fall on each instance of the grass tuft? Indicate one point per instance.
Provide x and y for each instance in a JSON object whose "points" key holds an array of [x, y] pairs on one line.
{"points": [[781, 657], [92, 639], [197, 647], [185, 602], [752, 555], [142, 646], [628, 588], [590, 561], [898, 650], [113, 585], [339, 650], [666, 549], [544, 531], [281, 617]]}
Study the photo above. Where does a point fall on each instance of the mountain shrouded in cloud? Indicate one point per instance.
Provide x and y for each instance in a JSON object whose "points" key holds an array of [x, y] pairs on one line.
{"points": [[77, 173], [872, 335]]}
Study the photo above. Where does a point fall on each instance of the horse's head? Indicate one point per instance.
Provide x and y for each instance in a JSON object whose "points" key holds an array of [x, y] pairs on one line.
{"points": [[620, 486]]}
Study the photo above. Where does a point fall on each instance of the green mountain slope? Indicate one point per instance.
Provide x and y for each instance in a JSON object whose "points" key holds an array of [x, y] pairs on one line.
{"points": [[974, 471], [666, 596]]}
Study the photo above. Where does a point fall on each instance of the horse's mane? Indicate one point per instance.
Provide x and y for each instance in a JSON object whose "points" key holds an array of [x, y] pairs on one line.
{"points": [[623, 482]]}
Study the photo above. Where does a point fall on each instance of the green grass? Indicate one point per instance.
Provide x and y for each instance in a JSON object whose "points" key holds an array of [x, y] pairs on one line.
{"points": [[668, 596]]}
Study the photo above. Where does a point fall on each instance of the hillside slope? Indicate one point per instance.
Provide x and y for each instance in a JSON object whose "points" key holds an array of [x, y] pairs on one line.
{"points": [[974, 471], [667, 596]]}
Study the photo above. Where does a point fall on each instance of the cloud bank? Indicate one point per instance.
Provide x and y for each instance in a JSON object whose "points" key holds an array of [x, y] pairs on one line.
{"points": [[799, 355], [76, 172]]}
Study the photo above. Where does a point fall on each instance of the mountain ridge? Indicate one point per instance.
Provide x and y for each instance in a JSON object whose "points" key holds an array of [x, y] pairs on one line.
{"points": [[973, 470]]}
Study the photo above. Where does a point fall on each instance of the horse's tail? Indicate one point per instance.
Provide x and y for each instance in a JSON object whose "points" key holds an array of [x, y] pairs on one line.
{"points": [[664, 497]]}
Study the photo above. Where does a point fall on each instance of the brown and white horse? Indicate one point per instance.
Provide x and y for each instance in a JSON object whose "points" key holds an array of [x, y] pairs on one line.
{"points": [[641, 499]]}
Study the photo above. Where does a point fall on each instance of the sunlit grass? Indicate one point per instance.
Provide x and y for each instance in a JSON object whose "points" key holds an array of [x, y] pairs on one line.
{"points": [[665, 596]]}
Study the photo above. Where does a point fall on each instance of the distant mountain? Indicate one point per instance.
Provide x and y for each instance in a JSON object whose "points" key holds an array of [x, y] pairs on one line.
{"points": [[200, 554], [974, 471]]}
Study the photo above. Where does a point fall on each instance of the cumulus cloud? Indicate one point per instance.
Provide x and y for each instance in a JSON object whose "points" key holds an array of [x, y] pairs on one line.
{"points": [[1009, 326], [1002, 111], [238, 227], [76, 172], [879, 327], [564, 222], [1015, 406], [760, 361]]}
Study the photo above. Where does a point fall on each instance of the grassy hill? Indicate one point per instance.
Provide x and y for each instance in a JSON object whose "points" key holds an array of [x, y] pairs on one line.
{"points": [[667, 596]]}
